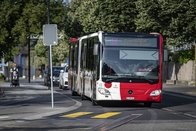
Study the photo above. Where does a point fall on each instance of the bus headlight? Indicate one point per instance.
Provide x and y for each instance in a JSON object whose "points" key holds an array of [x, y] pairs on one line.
{"points": [[103, 91], [155, 93]]}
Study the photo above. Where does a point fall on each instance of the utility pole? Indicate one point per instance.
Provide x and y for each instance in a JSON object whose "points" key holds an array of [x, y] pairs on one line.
{"points": [[48, 21], [195, 63], [28, 50], [29, 60]]}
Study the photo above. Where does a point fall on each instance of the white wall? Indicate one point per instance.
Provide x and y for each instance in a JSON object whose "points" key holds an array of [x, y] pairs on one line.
{"points": [[176, 71]]}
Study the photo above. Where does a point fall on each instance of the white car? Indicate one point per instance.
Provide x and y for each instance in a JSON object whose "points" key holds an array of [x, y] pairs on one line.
{"points": [[63, 78]]}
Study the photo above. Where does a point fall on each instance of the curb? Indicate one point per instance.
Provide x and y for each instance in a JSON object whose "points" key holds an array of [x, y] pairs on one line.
{"points": [[180, 82]]}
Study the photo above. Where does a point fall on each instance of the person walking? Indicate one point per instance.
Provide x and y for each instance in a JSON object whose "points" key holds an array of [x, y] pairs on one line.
{"points": [[14, 75]]}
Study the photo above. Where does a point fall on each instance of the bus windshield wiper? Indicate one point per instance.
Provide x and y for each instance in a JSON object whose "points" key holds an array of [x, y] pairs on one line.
{"points": [[151, 81], [111, 79], [118, 76], [130, 77]]}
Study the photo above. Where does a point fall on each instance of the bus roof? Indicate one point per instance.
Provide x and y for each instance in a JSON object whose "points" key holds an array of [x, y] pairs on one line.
{"points": [[139, 34], [120, 34]]}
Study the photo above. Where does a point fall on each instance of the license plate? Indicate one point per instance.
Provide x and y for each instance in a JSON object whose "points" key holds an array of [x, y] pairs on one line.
{"points": [[130, 98]]}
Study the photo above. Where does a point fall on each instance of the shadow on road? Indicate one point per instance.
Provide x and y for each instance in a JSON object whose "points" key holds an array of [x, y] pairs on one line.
{"points": [[172, 99]]}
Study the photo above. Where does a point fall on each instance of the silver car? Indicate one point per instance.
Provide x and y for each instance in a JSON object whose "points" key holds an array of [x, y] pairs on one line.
{"points": [[55, 77], [63, 78]]}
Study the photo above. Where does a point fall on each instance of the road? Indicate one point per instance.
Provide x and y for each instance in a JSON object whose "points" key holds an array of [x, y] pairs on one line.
{"points": [[29, 108]]}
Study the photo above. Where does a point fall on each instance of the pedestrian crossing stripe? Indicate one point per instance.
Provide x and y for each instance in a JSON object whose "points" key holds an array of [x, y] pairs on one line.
{"points": [[77, 114], [100, 116], [106, 115]]}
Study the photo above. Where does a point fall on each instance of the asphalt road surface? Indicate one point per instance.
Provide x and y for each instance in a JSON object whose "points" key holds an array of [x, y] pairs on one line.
{"points": [[29, 108]]}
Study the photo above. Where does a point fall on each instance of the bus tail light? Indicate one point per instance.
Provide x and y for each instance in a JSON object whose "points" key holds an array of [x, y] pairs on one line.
{"points": [[155, 93]]}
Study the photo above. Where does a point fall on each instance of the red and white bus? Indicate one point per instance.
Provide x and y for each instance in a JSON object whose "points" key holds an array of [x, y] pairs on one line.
{"points": [[117, 67]]}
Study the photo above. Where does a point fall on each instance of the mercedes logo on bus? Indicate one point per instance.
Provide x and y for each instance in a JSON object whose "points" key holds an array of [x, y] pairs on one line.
{"points": [[130, 91]]}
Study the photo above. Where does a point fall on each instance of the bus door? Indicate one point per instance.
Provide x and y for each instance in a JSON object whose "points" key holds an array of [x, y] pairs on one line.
{"points": [[82, 68]]}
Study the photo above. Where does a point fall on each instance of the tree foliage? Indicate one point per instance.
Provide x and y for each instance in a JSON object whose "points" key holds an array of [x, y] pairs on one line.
{"points": [[60, 52], [73, 27], [106, 15], [174, 19], [20, 19], [9, 13], [181, 26]]}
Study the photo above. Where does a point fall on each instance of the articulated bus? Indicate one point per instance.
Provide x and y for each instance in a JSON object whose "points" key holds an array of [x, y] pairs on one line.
{"points": [[117, 67]]}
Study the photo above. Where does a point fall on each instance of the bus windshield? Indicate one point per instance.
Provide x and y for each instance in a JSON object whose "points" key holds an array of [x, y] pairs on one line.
{"points": [[130, 64]]}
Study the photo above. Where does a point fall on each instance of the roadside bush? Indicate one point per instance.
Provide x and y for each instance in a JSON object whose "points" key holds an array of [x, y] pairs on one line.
{"points": [[2, 77]]}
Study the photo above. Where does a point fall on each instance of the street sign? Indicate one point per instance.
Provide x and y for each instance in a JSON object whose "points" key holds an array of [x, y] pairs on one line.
{"points": [[50, 34], [50, 38]]}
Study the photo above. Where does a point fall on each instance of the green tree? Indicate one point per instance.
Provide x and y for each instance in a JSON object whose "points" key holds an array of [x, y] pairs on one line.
{"points": [[20, 19], [60, 51], [57, 16], [9, 14], [105, 15], [30, 22], [174, 19], [41, 56], [73, 27], [148, 17], [181, 26]]}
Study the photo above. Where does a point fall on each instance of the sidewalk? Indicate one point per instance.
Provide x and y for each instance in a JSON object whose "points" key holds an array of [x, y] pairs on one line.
{"points": [[37, 100], [180, 89]]}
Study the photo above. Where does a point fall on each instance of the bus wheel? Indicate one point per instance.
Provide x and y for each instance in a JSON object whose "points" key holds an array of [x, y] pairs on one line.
{"points": [[94, 103], [60, 87], [147, 104], [82, 97]]}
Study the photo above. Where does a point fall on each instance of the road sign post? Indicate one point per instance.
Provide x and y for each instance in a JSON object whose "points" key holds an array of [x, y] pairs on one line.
{"points": [[50, 38]]}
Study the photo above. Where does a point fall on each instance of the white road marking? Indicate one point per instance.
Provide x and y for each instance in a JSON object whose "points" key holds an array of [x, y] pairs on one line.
{"points": [[190, 115], [4, 117], [167, 109], [178, 112]]}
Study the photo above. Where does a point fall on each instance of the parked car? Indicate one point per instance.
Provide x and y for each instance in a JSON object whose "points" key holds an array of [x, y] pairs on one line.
{"points": [[63, 78], [55, 77]]}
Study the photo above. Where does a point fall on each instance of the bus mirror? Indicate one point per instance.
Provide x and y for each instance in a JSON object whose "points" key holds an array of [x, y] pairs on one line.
{"points": [[95, 49]]}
